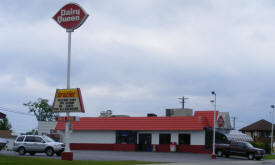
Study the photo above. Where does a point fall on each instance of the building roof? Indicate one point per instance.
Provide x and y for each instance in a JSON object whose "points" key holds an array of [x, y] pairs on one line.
{"points": [[2, 115], [261, 125], [178, 123], [207, 117], [5, 134]]}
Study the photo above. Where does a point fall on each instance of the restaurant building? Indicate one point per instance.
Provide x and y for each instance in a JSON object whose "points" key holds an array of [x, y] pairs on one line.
{"points": [[180, 128]]}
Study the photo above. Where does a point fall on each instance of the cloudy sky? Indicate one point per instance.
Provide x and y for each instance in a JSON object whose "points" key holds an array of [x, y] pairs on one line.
{"points": [[139, 56]]}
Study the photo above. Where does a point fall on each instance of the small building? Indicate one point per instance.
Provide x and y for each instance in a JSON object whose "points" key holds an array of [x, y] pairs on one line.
{"points": [[260, 130], [46, 127], [190, 133], [6, 134]]}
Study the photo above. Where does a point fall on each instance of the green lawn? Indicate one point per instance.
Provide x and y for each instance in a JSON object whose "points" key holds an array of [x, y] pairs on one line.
{"points": [[267, 157], [14, 160]]}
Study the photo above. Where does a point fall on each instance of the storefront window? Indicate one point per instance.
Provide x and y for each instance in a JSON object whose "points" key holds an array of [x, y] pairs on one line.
{"points": [[184, 139], [126, 137], [164, 138]]}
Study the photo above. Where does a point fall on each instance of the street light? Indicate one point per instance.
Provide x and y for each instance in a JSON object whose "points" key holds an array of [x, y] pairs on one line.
{"points": [[271, 145], [214, 126]]}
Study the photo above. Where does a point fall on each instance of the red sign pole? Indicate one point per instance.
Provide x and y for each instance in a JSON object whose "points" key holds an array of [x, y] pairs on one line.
{"points": [[70, 17]]}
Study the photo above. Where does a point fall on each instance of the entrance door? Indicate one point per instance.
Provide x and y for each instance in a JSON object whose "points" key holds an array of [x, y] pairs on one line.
{"points": [[145, 142]]}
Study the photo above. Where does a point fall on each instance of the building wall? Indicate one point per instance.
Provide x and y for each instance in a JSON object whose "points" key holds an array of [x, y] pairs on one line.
{"points": [[10, 145], [106, 140], [197, 137], [105, 137], [109, 137], [45, 127]]}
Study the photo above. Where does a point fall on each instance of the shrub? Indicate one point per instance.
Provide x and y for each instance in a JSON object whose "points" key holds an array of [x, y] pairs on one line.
{"points": [[265, 146]]}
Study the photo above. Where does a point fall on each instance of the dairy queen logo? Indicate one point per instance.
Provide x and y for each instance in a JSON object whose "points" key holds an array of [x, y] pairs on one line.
{"points": [[70, 16], [220, 121]]}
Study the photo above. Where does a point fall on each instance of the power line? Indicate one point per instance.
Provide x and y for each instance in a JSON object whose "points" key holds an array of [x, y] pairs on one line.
{"points": [[14, 111]]}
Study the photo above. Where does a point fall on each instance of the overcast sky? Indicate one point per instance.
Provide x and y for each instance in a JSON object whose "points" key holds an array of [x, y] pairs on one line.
{"points": [[139, 56]]}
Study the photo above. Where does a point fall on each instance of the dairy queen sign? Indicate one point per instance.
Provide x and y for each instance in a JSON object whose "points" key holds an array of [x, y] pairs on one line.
{"points": [[70, 16]]}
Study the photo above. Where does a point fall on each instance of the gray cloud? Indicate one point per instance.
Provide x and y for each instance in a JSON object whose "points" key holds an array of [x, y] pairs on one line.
{"points": [[139, 56]]}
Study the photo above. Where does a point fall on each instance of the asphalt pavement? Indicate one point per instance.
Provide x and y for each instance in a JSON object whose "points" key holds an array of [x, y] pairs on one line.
{"points": [[170, 158]]}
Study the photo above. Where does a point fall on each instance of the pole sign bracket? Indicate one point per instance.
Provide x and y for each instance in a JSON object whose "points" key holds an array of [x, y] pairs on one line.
{"points": [[71, 16], [67, 118], [68, 100]]}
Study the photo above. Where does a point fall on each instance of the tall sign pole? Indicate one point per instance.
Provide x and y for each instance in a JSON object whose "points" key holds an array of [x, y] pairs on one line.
{"points": [[70, 17], [214, 127], [67, 135]]}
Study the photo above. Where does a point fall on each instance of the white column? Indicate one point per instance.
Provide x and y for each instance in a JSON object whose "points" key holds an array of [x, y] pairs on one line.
{"points": [[175, 137]]}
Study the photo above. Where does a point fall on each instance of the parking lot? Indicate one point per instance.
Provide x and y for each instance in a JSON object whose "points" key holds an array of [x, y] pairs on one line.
{"points": [[178, 158]]}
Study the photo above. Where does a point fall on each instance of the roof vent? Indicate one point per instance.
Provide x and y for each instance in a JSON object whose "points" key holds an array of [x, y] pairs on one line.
{"points": [[151, 115]]}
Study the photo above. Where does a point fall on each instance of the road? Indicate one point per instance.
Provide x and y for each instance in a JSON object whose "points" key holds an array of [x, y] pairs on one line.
{"points": [[174, 158]]}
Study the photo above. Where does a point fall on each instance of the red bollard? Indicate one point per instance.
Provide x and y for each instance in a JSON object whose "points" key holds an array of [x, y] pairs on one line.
{"points": [[213, 156], [67, 156]]}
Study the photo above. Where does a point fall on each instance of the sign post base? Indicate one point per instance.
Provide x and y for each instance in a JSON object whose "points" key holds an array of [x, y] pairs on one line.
{"points": [[213, 156], [67, 156]]}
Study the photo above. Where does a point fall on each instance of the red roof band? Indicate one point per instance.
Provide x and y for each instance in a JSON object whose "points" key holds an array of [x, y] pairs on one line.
{"points": [[200, 120]]}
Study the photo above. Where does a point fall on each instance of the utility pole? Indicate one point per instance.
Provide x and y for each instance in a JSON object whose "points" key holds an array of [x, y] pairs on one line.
{"points": [[272, 129], [234, 122], [182, 100]]}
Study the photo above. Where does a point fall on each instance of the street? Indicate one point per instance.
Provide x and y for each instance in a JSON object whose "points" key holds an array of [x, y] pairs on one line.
{"points": [[171, 158]]}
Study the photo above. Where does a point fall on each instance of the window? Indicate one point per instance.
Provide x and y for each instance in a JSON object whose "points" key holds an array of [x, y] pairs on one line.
{"points": [[20, 138], [234, 144], [38, 139], [164, 138], [184, 139], [126, 137], [29, 139]]}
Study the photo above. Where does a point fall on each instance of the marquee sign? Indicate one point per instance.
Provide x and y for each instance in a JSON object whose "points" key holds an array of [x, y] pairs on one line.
{"points": [[71, 16], [68, 100]]}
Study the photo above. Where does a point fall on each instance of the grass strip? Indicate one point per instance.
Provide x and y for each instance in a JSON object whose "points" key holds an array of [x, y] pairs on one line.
{"points": [[15, 160], [269, 157]]}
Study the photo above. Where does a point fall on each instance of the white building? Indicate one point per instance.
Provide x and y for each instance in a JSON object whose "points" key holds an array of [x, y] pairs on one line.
{"points": [[189, 133]]}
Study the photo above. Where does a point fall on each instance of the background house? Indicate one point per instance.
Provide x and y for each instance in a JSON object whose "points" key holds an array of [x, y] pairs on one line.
{"points": [[260, 131]]}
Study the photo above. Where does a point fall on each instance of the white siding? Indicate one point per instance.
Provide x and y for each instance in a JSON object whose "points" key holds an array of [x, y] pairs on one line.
{"points": [[109, 137], [106, 137], [44, 127], [198, 138], [175, 137], [155, 138]]}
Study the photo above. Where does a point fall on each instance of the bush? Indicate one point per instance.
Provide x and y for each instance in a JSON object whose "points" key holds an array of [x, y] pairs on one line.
{"points": [[265, 146]]}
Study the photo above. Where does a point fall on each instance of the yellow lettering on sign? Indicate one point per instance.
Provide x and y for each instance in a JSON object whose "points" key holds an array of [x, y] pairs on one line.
{"points": [[66, 93]]}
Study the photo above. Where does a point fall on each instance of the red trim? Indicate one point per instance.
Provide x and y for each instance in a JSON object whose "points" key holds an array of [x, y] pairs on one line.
{"points": [[192, 149], [134, 147], [107, 147], [163, 148], [80, 100]]}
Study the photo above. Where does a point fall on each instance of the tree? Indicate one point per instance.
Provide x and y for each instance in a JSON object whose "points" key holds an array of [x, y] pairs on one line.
{"points": [[32, 132], [4, 124], [41, 109]]}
